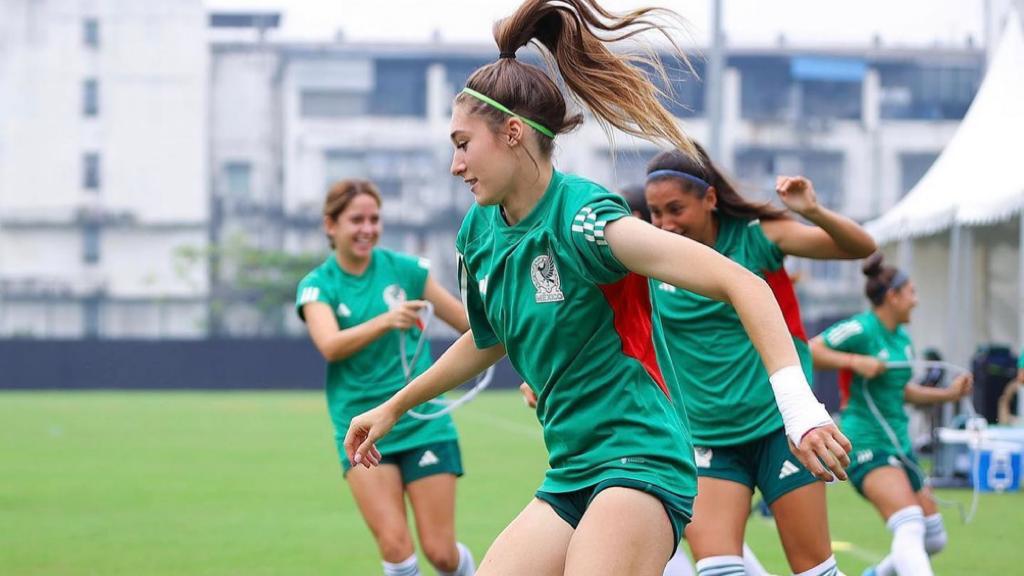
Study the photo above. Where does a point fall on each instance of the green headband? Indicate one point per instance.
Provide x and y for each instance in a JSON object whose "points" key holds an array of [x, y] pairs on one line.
{"points": [[498, 105]]}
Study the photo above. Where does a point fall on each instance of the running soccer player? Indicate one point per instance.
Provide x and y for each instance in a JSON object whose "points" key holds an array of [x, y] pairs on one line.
{"points": [[554, 273], [884, 469], [357, 305], [738, 433]]}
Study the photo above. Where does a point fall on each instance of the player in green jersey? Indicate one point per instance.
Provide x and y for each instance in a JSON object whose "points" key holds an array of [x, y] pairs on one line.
{"points": [[738, 432], [357, 305], [884, 469], [554, 270]]}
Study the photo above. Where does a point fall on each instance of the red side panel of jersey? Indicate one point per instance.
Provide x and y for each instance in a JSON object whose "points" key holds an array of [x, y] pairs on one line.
{"points": [[630, 300], [845, 381], [782, 287]]}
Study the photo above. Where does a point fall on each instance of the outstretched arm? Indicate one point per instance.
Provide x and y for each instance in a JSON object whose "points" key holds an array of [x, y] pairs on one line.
{"points": [[462, 361], [692, 266], [834, 236]]}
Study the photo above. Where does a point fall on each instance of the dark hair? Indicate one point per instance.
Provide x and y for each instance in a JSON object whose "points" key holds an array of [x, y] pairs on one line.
{"points": [[610, 84], [881, 278], [342, 193], [730, 202], [634, 196]]}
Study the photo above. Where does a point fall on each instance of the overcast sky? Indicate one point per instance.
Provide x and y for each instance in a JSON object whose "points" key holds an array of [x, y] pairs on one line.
{"points": [[746, 22]]}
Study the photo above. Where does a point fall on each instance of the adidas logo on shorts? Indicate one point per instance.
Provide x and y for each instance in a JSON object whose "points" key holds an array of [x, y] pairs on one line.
{"points": [[428, 459], [788, 469]]}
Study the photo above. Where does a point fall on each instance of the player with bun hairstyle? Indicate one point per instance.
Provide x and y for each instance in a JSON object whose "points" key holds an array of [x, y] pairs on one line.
{"points": [[884, 469]]}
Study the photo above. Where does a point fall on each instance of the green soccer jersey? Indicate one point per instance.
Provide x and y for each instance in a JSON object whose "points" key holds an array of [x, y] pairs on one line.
{"points": [[579, 328], [728, 396], [367, 378], [866, 335], [1020, 359]]}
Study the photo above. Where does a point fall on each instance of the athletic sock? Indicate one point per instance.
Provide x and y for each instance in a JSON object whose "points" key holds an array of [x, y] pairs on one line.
{"points": [[407, 567], [826, 568], [466, 567], [935, 536], [908, 554], [720, 566]]}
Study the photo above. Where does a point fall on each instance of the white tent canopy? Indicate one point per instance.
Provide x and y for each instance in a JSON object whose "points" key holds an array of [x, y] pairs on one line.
{"points": [[962, 214], [979, 178]]}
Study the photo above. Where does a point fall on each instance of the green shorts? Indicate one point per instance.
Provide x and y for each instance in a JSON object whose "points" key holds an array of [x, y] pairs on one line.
{"points": [[862, 462], [570, 506], [765, 463], [437, 458]]}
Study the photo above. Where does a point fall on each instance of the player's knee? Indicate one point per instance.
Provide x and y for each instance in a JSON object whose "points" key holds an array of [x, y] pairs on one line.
{"points": [[395, 543], [441, 553]]}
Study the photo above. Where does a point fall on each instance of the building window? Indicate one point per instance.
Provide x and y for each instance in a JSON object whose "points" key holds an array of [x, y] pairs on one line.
{"points": [[91, 32], [238, 181], [91, 243], [91, 98], [400, 88], [91, 316], [910, 90], [332, 104], [91, 171]]}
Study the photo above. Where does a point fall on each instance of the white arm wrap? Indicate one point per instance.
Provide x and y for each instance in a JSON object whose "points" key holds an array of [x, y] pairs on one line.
{"points": [[801, 411]]}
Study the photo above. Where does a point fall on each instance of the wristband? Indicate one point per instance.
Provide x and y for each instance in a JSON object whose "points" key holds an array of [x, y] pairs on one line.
{"points": [[801, 411]]}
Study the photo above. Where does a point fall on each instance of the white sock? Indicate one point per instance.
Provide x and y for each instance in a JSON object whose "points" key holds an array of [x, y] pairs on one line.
{"points": [[751, 563], [826, 568], [720, 566], [466, 567], [934, 541], [679, 564], [935, 537], [408, 567], [908, 554], [886, 567]]}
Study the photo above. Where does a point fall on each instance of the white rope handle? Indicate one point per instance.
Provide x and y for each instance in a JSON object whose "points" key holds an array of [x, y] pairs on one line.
{"points": [[967, 516], [409, 366]]}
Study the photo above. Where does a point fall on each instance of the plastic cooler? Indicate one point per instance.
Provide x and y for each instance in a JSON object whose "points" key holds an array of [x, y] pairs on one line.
{"points": [[999, 466]]}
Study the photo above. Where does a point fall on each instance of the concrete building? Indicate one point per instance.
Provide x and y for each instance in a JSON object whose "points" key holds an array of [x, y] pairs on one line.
{"points": [[133, 133], [103, 168]]}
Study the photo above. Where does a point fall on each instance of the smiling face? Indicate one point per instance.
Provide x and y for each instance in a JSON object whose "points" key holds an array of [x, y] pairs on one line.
{"points": [[481, 157], [356, 230], [680, 211]]}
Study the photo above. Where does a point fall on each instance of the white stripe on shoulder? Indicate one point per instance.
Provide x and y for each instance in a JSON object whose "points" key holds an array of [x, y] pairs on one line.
{"points": [[754, 222], [844, 332]]}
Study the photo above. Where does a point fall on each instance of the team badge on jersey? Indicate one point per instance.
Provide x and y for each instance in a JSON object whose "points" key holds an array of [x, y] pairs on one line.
{"points": [[394, 295], [544, 274]]}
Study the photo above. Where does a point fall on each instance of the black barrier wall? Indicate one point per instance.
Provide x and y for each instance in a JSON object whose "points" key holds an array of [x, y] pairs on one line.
{"points": [[268, 364]]}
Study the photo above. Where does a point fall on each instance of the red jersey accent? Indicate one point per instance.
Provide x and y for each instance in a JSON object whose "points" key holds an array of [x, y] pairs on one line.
{"points": [[630, 300]]}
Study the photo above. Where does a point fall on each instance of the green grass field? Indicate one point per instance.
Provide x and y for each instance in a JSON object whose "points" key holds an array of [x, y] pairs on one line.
{"points": [[248, 483]]}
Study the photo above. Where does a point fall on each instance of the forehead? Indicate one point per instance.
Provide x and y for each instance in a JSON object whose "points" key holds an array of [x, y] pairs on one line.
{"points": [[463, 121], [362, 203], [665, 190]]}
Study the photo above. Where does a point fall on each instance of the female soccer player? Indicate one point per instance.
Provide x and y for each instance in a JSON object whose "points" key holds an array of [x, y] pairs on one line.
{"points": [[357, 305], [884, 469], [553, 272], [737, 431]]}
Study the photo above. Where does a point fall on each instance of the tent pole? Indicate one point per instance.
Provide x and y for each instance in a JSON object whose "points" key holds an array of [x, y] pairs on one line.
{"points": [[906, 255], [953, 311]]}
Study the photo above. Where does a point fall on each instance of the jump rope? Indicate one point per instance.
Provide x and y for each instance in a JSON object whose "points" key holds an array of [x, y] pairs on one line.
{"points": [[481, 381], [974, 426]]}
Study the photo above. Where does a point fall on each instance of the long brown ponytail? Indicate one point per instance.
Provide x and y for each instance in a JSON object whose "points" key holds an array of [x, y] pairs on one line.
{"points": [[573, 37]]}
